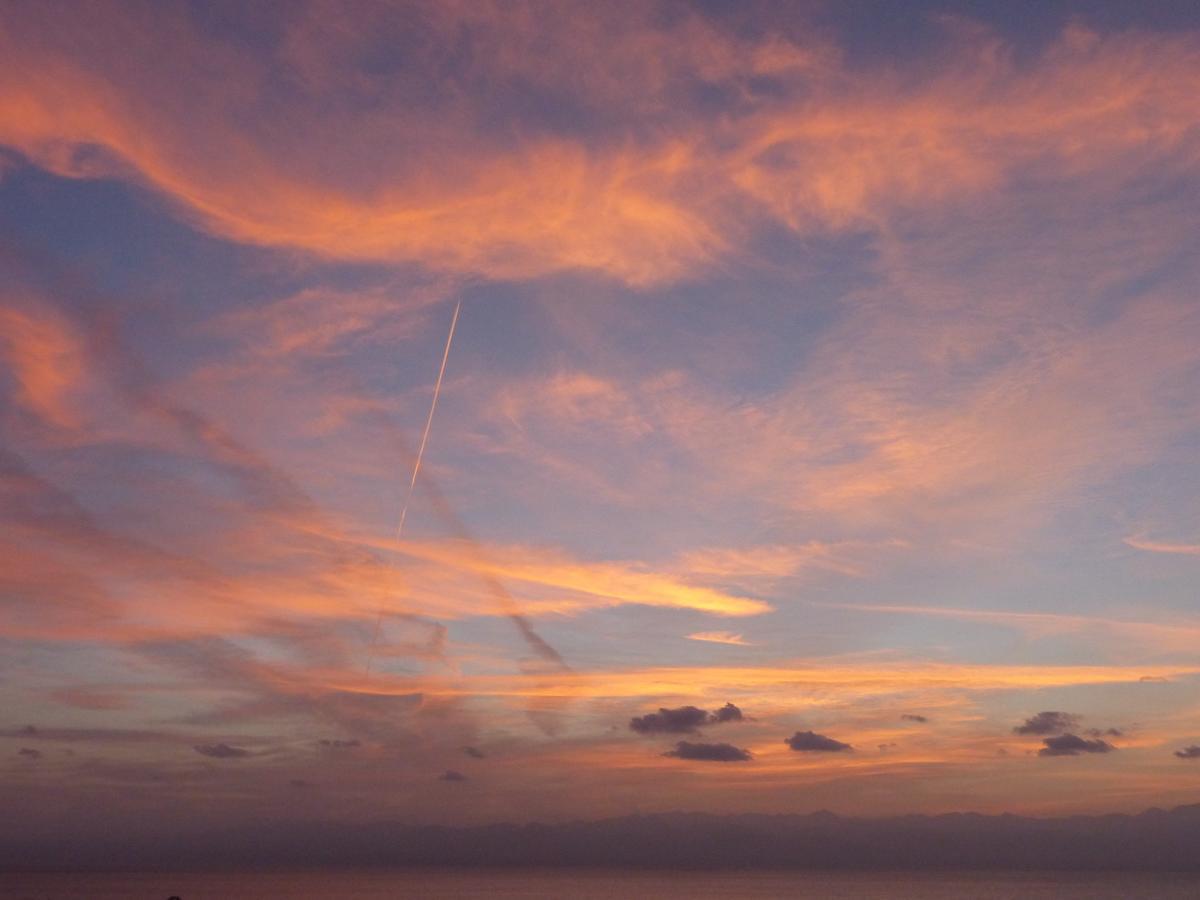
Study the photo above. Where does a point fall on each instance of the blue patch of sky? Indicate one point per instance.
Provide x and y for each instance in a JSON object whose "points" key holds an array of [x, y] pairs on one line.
{"points": [[102, 248]]}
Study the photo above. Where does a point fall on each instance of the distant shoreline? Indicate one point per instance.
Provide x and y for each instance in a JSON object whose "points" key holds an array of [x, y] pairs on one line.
{"points": [[1152, 841]]}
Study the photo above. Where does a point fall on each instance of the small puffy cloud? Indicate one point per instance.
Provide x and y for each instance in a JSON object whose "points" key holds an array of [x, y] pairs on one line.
{"points": [[913, 717], [683, 719], [1192, 752], [709, 752], [1073, 745], [727, 713], [1048, 722], [29, 753], [474, 752], [452, 775], [811, 742], [1105, 732], [220, 751]]}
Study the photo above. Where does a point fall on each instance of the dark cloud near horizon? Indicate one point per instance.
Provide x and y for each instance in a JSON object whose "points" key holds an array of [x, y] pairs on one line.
{"points": [[709, 752], [913, 717], [221, 751], [1192, 752], [30, 753], [1073, 745], [1048, 722], [452, 775], [474, 752], [683, 719], [811, 742]]}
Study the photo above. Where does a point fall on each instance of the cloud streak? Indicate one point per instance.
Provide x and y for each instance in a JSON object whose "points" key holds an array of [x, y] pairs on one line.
{"points": [[1140, 543], [719, 637]]}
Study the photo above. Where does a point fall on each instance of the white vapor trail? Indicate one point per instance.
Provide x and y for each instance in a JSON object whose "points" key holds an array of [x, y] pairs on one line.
{"points": [[412, 482], [437, 390]]}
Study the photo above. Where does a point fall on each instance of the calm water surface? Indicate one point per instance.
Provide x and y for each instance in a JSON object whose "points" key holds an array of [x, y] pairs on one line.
{"points": [[375, 885]]}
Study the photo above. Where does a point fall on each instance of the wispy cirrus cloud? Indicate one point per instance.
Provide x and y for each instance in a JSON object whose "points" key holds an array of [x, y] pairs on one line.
{"points": [[874, 434], [335, 575], [647, 200], [45, 358]]}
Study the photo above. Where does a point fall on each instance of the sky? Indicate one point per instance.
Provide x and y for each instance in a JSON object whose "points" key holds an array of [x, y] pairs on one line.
{"points": [[819, 428]]}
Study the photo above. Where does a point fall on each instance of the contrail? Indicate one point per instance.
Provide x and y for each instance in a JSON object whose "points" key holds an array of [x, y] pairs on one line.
{"points": [[412, 482], [437, 390]]}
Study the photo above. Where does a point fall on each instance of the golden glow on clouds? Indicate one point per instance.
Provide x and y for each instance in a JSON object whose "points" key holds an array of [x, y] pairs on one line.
{"points": [[837, 682], [601, 584]]}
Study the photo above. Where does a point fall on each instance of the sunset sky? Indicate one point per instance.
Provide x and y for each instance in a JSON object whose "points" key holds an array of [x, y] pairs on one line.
{"points": [[837, 361]]}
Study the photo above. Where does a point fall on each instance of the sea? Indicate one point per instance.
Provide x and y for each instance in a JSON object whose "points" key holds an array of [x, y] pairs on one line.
{"points": [[600, 885]]}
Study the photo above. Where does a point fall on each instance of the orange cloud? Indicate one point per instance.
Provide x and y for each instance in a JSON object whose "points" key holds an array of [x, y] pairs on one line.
{"points": [[782, 561], [673, 189], [1141, 543], [44, 357], [836, 682], [585, 584]]}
